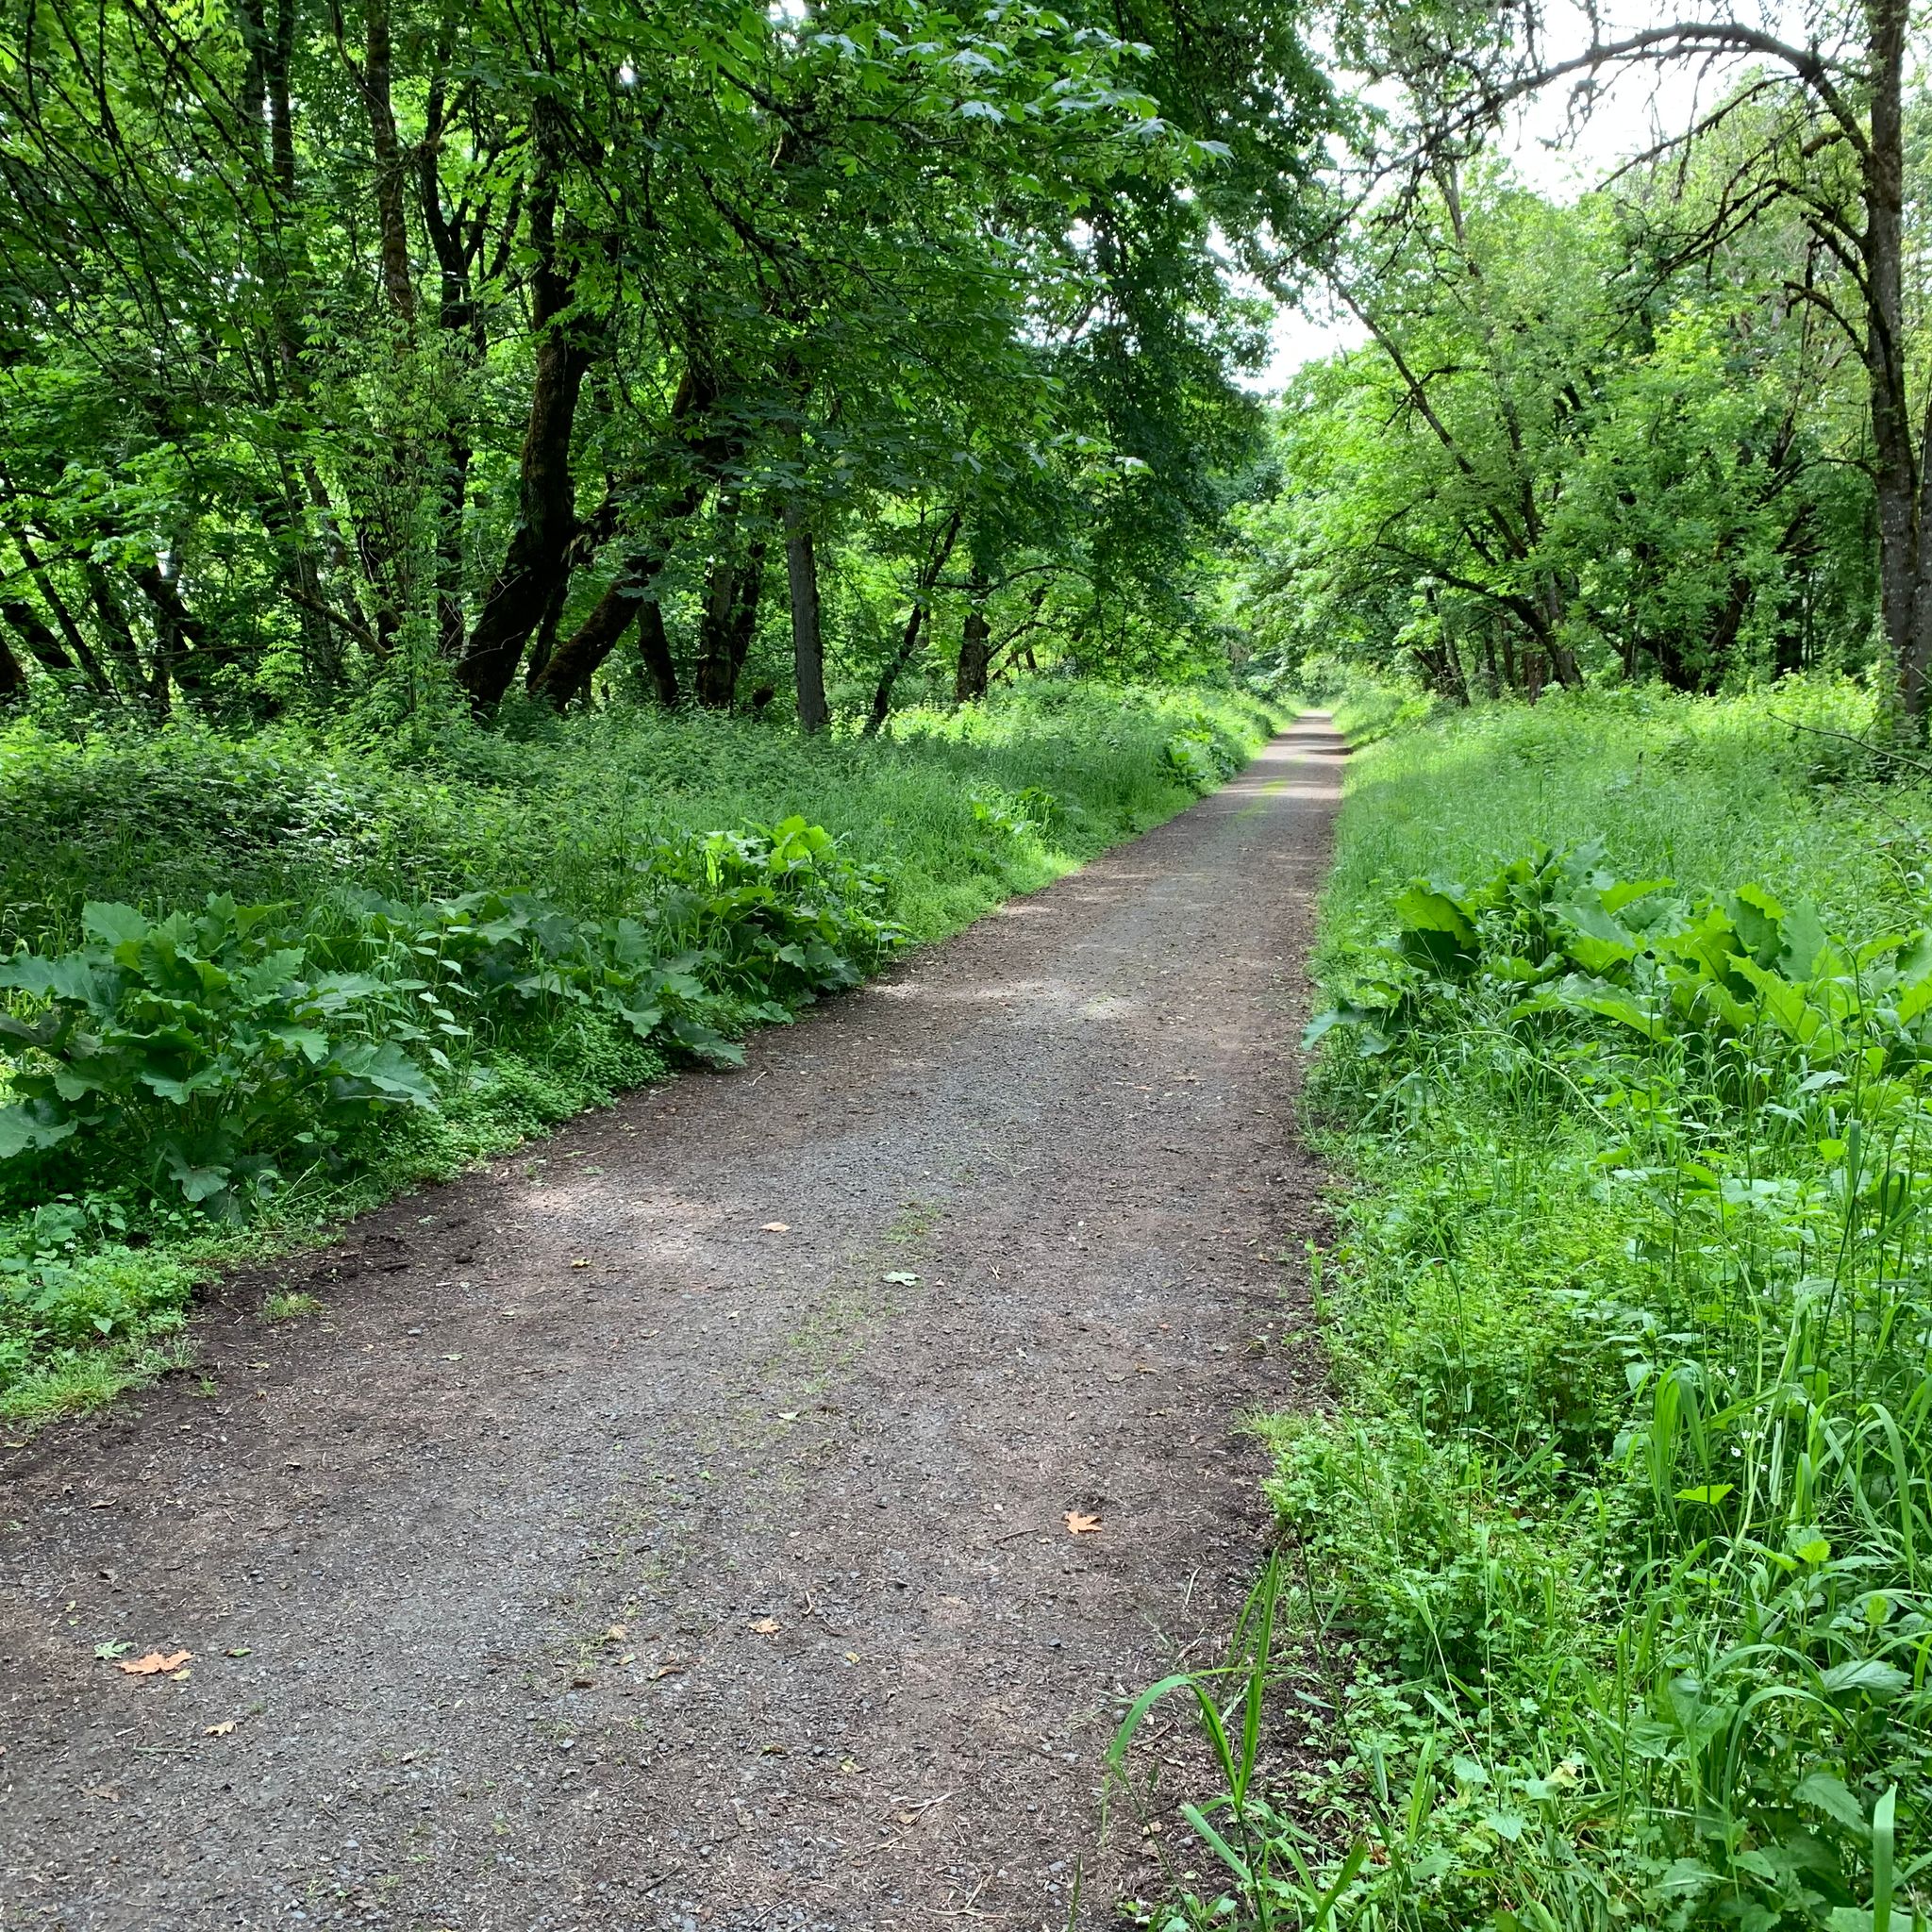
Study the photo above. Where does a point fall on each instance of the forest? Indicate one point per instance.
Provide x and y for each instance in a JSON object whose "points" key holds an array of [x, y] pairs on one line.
{"points": [[541, 539]]}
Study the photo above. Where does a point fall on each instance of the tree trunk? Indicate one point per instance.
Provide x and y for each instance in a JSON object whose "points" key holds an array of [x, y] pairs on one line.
{"points": [[654, 647], [77, 646], [398, 284], [115, 629], [1903, 599], [569, 672], [32, 628], [538, 553], [13, 678], [730, 611], [703, 453], [277, 56], [915, 623], [744, 612], [975, 647], [459, 319], [808, 645], [185, 650]]}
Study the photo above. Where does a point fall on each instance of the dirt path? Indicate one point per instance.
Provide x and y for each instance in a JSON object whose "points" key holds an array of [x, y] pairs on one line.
{"points": [[811, 1481]]}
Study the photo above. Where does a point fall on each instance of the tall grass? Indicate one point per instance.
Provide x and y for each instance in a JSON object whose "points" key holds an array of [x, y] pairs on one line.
{"points": [[564, 806], [1615, 1549]]}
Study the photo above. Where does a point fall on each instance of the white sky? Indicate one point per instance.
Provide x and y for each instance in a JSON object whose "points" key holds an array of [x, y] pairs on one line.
{"points": [[1632, 112]]}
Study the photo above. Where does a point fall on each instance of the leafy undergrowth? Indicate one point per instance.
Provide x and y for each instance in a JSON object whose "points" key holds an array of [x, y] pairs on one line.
{"points": [[1617, 1544], [255, 984]]}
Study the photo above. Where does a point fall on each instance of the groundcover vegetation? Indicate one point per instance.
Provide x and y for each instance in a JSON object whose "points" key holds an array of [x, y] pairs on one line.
{"points": [[1607, 1566], [252, 983]]}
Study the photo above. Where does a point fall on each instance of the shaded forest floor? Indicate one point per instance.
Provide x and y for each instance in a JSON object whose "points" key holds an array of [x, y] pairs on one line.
{"points": [[669, 1523]]}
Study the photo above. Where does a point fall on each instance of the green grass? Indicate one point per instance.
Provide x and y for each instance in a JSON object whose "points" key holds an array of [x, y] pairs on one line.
{"points": [[934, 824], [1609, 1570], [1711, 795]]}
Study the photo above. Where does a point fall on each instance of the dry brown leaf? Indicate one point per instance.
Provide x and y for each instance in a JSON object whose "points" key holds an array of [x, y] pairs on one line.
{"points": [[667, 1671], [1079, 1524], [774, 1751], [220, 1730], [776, 1227], [154, 1661], [616, 1634], [766, 1626]]}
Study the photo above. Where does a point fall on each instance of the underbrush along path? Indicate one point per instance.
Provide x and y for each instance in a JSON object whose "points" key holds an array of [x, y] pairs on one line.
{"points": [[669, 1523]]}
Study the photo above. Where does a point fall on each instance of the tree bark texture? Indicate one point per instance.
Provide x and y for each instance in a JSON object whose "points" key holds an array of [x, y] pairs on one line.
{"points": [[537, 555], [807, 644], [975, 647]]}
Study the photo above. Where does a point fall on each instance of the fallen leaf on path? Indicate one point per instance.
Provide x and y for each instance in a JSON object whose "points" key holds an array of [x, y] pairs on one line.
{"points": [[111, 1653], [1079, 1524], [851, 1656], [788, 1415], [667, 1671], [775, 1228], [773, 1751], [617, 1633], [901, 1278], [244, 1651], [767, 1626], [220, 1730], [581, 1261], [155, 1660]]}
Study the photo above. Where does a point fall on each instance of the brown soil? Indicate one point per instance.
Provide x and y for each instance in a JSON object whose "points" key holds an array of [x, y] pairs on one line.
{"points": [[605, 1554]]}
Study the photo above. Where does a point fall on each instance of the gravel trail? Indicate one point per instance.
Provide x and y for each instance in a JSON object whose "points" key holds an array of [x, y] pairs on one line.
{"points": [[666, 1525]]}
